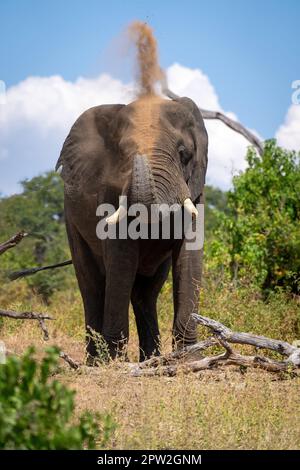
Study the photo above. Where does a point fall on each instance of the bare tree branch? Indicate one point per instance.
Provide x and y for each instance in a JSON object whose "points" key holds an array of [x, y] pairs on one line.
{"points": [[40, 317], [261, 342], [73, 364], [209, 362], [25, 315], [12, 242], [44, 329], [138, 370], [65, 357], [180, 354], [234, 125], [28, 272]]}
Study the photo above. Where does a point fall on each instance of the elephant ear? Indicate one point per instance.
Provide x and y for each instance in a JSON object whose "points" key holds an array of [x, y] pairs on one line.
{"points": [[87, 149], [197, 179]]}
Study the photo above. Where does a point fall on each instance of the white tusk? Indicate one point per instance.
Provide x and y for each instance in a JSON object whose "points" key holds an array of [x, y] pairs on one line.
{"points": [[189, 206], [59, 169], [116, 216]]}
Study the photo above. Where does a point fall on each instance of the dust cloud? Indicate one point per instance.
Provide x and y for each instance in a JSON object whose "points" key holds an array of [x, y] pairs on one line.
{"points": [[148, 73], [148, 70]]}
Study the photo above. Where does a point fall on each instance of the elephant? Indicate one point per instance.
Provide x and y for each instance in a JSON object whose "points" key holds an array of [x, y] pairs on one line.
{"points": [[153, 150]]}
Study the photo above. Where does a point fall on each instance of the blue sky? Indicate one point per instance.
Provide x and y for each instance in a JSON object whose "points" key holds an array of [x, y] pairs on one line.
{"points": [[247, 48]]}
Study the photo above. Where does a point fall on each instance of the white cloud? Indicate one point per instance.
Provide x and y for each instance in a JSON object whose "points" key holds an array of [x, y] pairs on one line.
{"points": [[194, 84], [39, 112], [288, 134], [37, 117]]}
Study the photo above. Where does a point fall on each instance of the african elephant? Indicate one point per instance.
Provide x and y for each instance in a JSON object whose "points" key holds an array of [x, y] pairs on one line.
{"points": [[152, 150]]}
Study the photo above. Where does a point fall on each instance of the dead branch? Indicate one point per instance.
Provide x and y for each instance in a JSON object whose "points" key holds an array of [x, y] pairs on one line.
{"points": [[260, 342], [12, 242], [65, 357], [180, 354], [73, 364], [44, 329], [138, 370], [171, 364], [180, 360], [40, 317], [234, 125], [25, 315], [211, 362], [28, 272]]}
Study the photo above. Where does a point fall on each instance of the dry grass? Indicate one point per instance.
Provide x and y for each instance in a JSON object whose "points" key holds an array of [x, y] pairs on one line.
{"points": [[214, 410], [219, 409]]}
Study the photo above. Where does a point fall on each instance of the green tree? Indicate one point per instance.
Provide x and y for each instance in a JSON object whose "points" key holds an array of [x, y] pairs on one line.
{"points": [[259, 239], [39, 211], [215, 202]]}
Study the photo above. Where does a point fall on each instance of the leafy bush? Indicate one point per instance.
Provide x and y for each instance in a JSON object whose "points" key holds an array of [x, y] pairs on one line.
{"points": [[259, 238], [35, 412]]}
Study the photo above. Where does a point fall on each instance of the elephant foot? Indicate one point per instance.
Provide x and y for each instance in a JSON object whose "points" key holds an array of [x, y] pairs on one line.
{"points": [[92, 361], [117, 349], [147, 354], [95, 355], [180, 342]]}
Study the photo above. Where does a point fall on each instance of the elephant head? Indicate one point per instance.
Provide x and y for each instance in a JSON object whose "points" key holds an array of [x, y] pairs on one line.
{"points": [[164, 146]]}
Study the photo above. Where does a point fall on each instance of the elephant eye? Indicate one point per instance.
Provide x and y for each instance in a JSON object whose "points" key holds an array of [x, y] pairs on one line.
{"points": [[184, 154]]}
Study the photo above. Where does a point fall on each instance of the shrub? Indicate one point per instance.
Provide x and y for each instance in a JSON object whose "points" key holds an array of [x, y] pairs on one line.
{"points": [[36, 412]]}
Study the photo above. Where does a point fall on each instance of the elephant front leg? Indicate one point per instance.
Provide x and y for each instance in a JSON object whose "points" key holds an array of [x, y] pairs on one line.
{"points": [[121, 266], [144, 299], [91, 281], [187, 268]]}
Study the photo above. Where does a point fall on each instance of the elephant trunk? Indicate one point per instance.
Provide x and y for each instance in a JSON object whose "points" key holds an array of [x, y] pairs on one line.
{"points": [[142, 189], [148, 181]]}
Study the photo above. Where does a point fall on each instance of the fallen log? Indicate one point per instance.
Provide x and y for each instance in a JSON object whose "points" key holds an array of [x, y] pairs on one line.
{"points": [[175, 362], [170, 370], [260, 342], [210, 362]]}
